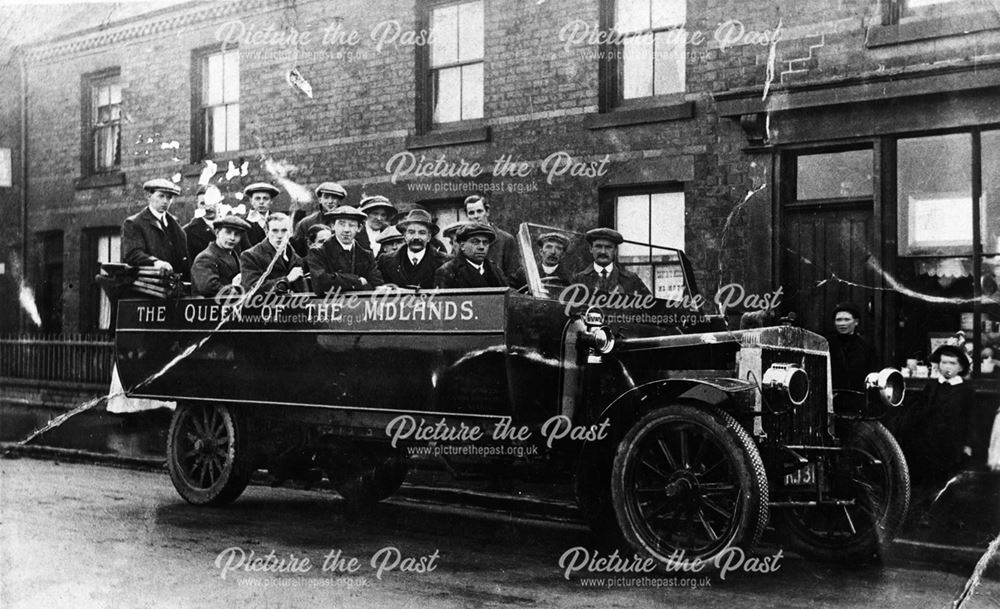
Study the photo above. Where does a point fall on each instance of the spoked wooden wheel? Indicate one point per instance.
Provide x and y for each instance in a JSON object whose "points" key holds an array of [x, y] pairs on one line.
{"points": [[872, 479], [689, 479], [209, 460]]}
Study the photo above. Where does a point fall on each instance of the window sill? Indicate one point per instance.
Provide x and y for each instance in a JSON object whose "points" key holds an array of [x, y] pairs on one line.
{"points": [[916, 29], [451, 137], [100, 180], [640, 116], [193, 170]]}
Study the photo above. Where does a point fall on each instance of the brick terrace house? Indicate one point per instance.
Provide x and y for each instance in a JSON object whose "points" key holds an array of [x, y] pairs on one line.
{"points": [[840, 150]]}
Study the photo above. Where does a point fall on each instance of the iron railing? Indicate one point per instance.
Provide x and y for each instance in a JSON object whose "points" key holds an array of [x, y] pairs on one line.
{"points": [[64, 358]]}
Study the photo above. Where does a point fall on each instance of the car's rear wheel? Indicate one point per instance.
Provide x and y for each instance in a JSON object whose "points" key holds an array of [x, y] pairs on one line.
{"points": [[689, 479], [208, 455], [872, 473]]}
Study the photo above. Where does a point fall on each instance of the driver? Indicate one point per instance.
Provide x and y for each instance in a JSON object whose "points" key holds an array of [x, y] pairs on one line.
{"points": [[551, 251], [604, 275]]}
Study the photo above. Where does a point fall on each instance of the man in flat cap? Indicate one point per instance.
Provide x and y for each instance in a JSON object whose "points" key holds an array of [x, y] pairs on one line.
{"points": [[605, 275], [153, 237], [471, 266], [391, 240], [379, 211], [219, 264], [330, 195], [341, 262], [287, 272], [260, 195], [551, 250], [414, 266], [199, 231], [503, 252]]}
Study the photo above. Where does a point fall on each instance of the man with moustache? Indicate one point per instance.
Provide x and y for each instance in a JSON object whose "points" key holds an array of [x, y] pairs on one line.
{"points": [[414, 265], [153, 237], [551, 250], [379, 211], [341, 262], [503, 252], [471, 267], [198, 231], [287, 272], [218, 264], [605, 275], [260, 195], [330, 195]]}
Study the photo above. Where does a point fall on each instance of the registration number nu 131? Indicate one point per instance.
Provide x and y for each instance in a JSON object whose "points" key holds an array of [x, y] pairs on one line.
{"points": [[803, 476]]}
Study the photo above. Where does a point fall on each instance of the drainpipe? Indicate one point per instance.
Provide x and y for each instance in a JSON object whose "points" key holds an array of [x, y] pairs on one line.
{"points": [[24, 174]]}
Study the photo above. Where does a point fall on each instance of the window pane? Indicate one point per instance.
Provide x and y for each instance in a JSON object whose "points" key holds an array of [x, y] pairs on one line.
{"points": [[213, 80], [472, 91], [103, 96], [934, 183], [637, 69], [989, 205], [631, 16], [919, 3], [632, 221], [233, 127], [834, 175], [668, 13], [470, 31], [444, 32], [218, 128], [108, 250], [667, 219], [116, 94], [447, 95], [231, 77], [668, 62]]}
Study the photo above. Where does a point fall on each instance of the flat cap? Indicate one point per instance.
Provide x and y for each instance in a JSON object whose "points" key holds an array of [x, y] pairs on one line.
{"points": [[261, 187], [161, 184], [375, 202], [556, 237], [333, 188], [418, 216], [389, 235], [231, 221], [609, 234], [346, 212], [451, 229], [476, 228]]}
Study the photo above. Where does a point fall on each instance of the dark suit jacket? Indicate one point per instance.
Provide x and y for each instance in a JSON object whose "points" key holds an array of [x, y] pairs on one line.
{"points": [[332, 267], [621, 280], [459, 273], [300, 240], [213, 268], [256, 260], [144, 242], [198, 234], [398, 269], [254, 236], [939, 428], [851, 359], [503, 253]]}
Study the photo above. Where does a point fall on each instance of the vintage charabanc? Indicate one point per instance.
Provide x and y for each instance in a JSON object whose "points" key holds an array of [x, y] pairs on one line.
{"points": [[678, 433]]}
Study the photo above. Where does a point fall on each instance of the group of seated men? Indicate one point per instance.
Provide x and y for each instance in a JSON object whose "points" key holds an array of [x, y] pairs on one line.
{"points": [[346, 248]]}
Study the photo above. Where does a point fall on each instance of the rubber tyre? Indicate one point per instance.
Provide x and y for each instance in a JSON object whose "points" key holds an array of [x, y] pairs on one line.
{"points": [[208, 455], [882, 492], [689, 478]]}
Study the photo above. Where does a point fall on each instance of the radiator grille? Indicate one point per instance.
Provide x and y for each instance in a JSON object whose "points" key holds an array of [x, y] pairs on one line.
{"points": [[805, 424]]}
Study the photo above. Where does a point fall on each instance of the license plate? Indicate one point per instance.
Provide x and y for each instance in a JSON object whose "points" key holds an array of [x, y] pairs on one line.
{"points": [[803, 476]]}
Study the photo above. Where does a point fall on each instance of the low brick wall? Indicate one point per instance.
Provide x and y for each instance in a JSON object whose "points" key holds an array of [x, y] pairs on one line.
{"points": [[29, 393]]}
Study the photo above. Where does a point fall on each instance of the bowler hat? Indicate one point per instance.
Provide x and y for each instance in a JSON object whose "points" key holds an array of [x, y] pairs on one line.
{"points": [[333, 188], [261, 187], [555, 237], [389, 235], [233, 222], [376, 202], [609, 234], [954, 351], [161, 184], [418, 216], [476, 228], [346, 212]]}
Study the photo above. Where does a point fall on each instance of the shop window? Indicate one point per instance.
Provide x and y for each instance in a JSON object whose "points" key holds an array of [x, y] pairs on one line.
{"points": [[656, 218], [834, 175], [217, 103], [455, 63]]}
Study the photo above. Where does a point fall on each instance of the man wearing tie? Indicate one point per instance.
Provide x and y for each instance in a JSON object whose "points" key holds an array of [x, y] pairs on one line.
{"points": [[198, 231], [605, 275], [470, 268], [286, 273], [341, 263], [260, 195], [218, 264], [379, 212], [153, 237], [413, 266]]}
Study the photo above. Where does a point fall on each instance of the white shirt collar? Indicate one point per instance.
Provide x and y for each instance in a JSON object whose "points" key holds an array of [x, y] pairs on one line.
{"points": [[610, 268], [159, 216], [955, 380], [419, 255], [372, 236], [478, 267], [550, 269], [342, 246]]}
